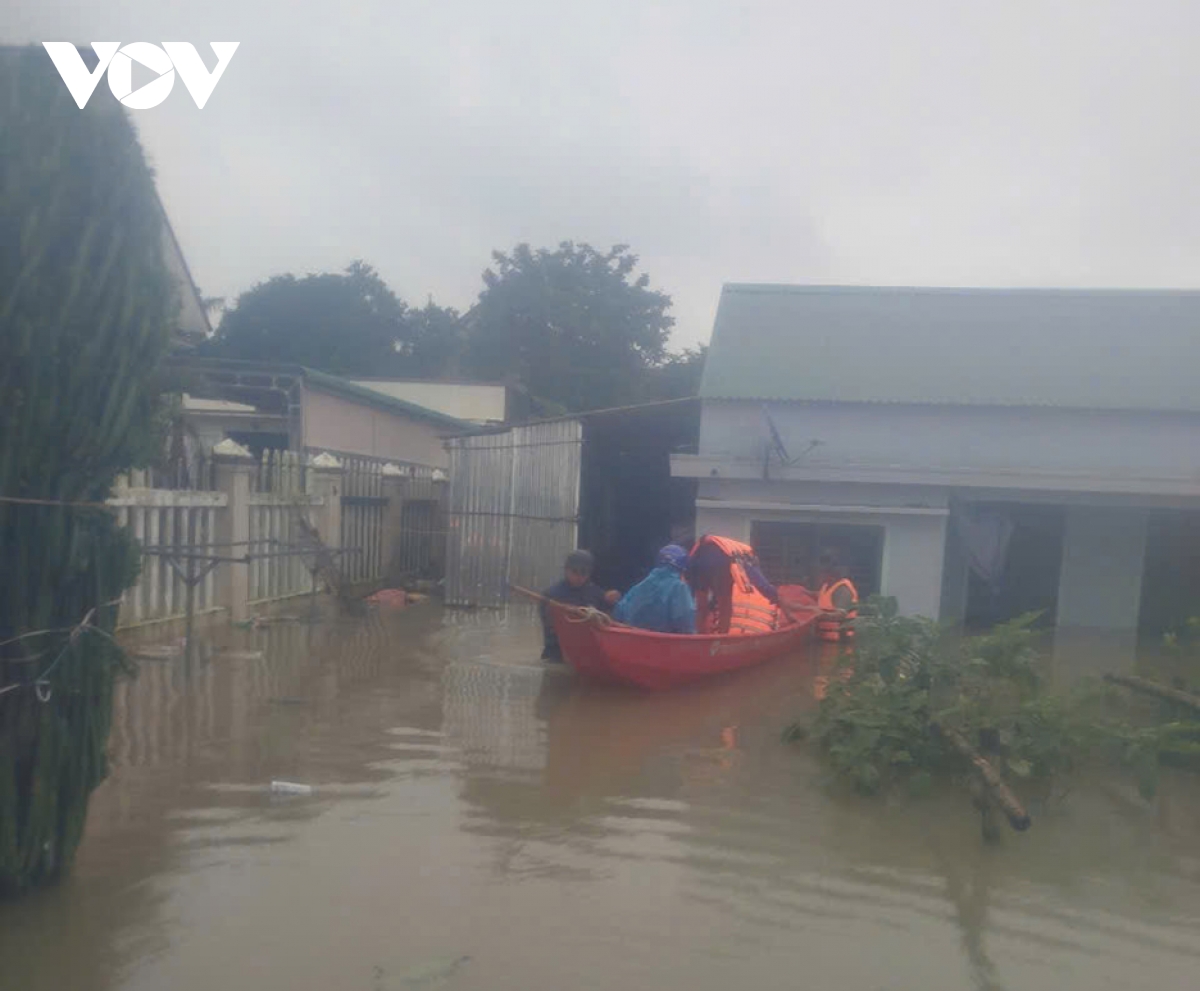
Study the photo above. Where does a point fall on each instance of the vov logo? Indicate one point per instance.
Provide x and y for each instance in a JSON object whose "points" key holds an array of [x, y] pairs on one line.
{"points": [[117, 60]]}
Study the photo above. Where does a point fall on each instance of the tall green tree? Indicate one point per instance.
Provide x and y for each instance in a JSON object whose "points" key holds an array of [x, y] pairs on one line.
{"points": [[87, 310], [434, 342], [576, 326], [348, 323], [345, 323]]}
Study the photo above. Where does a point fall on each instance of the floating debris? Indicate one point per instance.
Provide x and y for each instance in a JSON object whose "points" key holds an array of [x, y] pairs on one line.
{"points": [[433, 973], [290, 788], [239, 655], [389, 598]]}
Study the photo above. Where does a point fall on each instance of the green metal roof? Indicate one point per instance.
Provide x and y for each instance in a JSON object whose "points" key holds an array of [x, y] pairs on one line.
{"points": [[324, 382], [1071, 348]]}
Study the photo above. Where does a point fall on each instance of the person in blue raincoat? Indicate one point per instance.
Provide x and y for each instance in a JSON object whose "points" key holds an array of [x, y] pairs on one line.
{"points": [[662, 600]]}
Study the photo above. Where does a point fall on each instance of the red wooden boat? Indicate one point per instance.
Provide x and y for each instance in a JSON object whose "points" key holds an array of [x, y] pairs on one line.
{"points": [[602, 650]]}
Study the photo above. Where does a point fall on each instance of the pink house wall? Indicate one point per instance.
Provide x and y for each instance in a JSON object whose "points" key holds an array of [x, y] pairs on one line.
{"points": [[343, 425]]}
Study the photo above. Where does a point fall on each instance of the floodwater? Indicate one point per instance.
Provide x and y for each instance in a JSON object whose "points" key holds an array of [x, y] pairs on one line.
{"points": [[480, 823]]}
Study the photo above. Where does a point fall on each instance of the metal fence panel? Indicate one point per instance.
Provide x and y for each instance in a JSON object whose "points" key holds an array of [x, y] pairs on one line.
{"points": [[363, 506], [514, 510]]}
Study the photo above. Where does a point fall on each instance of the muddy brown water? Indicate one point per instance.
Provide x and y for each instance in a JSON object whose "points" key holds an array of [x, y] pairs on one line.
{"points": [[468, 804]]}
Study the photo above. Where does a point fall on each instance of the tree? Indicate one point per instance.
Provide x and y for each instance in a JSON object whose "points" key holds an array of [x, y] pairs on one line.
{"points": [[434, 343], [87, 309], [677, 376], [345, 324], [576, 326]]}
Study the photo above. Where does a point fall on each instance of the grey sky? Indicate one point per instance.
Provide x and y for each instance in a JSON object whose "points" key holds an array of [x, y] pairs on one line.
{"points": [[923, 142]]}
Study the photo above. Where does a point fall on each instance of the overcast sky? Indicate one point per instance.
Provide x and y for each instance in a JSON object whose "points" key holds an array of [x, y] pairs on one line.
{"points": [[928, 142]]}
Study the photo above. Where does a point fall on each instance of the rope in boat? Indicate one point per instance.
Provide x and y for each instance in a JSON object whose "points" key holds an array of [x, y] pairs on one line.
{"points": [[588, 614]]}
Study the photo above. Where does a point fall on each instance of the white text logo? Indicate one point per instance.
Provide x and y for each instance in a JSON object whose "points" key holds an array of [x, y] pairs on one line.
{"points": [[117, 60]]}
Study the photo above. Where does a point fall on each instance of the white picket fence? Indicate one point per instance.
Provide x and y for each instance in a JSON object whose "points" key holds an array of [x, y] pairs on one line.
{"points": [[281, 492], [279, 495], [160, 519]]}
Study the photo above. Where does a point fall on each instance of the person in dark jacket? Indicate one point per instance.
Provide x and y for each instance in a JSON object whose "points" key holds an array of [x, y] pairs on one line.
{"points": [[575, 589], [661, 601]]}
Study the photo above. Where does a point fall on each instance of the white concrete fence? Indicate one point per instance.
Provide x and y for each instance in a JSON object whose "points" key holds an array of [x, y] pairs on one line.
{"points": [[253, 512]]}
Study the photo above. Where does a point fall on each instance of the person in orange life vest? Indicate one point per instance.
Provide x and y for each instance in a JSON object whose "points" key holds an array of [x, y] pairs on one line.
{"points": [[732, 594], [836, 594], [575, 589]]}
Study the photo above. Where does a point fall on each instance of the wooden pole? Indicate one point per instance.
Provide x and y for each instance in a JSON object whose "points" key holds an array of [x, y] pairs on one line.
{"points": [[1018, 818], [191, 581], [583, 611], [1148, 687]]}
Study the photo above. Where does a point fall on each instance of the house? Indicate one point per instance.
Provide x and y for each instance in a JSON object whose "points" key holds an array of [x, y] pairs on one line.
{"points": [[975, 453], [192, 322], [480, 403], [265, 406]]}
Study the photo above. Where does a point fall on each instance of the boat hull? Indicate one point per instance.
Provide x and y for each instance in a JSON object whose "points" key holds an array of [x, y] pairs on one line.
{"points": [[659, 661]]}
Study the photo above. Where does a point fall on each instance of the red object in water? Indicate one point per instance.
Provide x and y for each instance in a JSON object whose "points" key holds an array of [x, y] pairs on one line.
{"points": [[391, 598], [609, 652]]}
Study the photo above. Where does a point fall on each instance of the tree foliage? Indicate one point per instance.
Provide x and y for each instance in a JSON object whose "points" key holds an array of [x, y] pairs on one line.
{"points": [[676, 376], [348, 323], [883, 718], [572, 329], [579, 327], [87, 308]]}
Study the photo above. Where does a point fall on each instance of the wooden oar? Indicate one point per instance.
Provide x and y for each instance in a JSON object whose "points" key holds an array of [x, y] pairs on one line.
{"points": [[584, 611], [529, 594]]}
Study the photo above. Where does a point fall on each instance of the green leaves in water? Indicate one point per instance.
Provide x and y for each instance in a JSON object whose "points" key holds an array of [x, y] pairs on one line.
{"points": [[877, 724]]}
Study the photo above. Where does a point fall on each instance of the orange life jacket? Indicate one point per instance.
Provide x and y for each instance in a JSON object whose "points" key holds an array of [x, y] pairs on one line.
{"points": [[830, 626], [732, 548], [750, 611]]}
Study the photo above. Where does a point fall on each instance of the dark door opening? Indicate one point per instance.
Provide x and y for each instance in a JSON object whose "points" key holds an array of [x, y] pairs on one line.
{"points": [[1029, 579], [1171, 579], [629, 505]]}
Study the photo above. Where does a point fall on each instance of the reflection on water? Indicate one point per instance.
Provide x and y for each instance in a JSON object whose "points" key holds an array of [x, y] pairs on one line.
{"points": [[469, 802]]}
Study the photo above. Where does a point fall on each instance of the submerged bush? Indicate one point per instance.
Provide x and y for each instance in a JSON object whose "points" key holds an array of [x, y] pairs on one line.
{"points": [[910, 686]]}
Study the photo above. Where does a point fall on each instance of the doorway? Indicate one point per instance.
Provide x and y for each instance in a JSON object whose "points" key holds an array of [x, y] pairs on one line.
{"points": [[1028, 581]]}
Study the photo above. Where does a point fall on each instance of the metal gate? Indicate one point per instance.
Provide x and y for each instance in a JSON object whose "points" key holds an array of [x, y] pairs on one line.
{"points": [[514, 510], [363, 507]]}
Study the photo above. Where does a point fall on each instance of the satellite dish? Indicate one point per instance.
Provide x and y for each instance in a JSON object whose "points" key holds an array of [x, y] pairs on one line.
{"points": [[776, 440]]}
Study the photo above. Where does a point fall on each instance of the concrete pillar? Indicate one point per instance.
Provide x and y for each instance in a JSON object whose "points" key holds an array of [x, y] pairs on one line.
{"points": [[914, 552], [233, 467], [325, 481], [395, 485], [1100, 585]]}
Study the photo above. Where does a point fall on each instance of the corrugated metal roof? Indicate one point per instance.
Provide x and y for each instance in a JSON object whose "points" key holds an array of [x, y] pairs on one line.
{"points": [[1071, 348]]}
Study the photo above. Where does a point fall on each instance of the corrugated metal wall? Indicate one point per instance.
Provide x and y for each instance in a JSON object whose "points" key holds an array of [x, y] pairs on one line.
{"points": [[514, 510]]}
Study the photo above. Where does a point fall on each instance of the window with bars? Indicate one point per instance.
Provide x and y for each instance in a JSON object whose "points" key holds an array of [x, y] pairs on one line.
{"points": [[790, 552]]}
